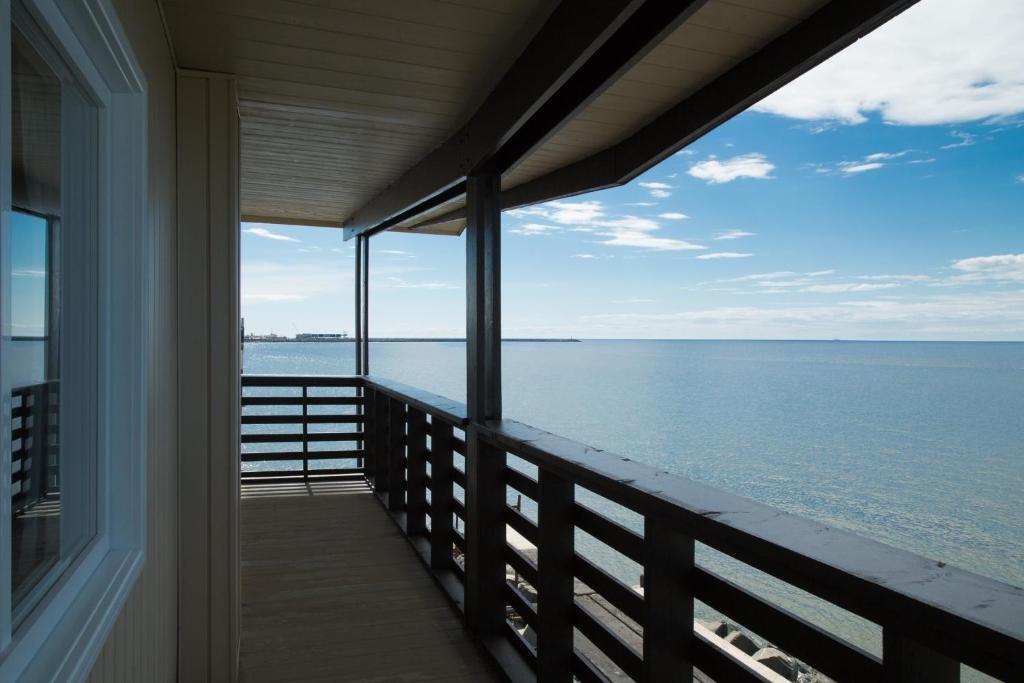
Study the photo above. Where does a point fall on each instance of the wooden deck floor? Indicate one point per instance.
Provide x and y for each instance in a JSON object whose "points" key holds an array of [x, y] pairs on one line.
{"points": [[331, 591]]}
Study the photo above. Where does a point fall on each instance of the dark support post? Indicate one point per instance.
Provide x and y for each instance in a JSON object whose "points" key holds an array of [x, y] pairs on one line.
{"points": [[416, 472], [554, 578], [369, 432], [485, 464], [365, 351], [668, 603], [440, 495], [357, 348], [359, 306], [305, 433], [906, 661], [396, 454], [380, 442]]}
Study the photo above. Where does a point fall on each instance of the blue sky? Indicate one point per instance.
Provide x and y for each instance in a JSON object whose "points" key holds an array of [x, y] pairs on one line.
{"points": [[880, 196]]}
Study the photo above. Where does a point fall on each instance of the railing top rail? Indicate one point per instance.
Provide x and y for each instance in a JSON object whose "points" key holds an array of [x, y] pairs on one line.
{"points": [[977, 619], [301, 381], [446, 409]]}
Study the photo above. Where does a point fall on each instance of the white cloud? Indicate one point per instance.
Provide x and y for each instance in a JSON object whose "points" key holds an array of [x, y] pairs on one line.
{"points": [[723, 254], [263, 232], [941, 61], [852, 167], [1003, 267], [397, 252], [734, 234], [993, 315], [964, 140], [673, 216], [584, 256], [641, 203], [632, 231], [844, 287], [900, 278], [271, 298], [402, 284], [563, 213], [754, 165], [883, 156], [28, 272], [657, 190], [535, 229], [820, 273], [1020, 178], [633, 301]]}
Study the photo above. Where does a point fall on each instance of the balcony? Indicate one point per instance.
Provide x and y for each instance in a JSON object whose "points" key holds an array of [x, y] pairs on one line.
{"points": [[489, 511]]}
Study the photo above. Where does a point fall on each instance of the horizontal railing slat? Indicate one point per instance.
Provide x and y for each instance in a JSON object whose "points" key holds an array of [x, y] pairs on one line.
{"points": [[611, 589], [610, 532], [301, 381], [285, 456], [616, 649], [826, 653], [523, 483], [302, 438], [300, 419], [520, 604], [522, 524], [298, 401]]}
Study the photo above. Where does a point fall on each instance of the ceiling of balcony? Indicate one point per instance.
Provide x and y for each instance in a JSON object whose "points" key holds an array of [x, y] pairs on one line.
{"points": [[339, 97]]}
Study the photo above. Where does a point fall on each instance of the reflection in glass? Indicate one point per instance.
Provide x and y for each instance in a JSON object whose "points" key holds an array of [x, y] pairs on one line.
{"points": [[52, 495]]}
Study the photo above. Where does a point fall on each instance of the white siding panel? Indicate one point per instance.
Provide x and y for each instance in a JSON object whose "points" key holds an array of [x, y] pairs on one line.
{"points": [[143, 643]]}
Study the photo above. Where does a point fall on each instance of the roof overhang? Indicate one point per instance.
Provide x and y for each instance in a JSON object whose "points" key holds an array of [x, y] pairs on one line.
{"points": [[370, 116]]}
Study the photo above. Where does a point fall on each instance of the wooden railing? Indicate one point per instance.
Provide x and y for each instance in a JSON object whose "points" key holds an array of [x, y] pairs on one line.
{"points": [[448, 482], [301, 427]]}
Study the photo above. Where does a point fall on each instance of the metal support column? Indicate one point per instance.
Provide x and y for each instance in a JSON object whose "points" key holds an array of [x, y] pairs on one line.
{"points": [[485, 464]]}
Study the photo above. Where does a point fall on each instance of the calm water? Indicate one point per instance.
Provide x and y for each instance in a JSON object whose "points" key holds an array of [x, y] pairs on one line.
{"points": [[919, 445]]}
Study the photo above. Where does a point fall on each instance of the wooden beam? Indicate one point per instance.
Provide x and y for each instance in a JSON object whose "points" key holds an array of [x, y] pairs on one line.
{"points": [[638, 35], [483, 298], [570, 36], [823, 34], [485, 465]]}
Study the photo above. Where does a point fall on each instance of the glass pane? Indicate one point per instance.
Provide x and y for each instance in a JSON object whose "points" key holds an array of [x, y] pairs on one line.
{"points": [[52, 446]]}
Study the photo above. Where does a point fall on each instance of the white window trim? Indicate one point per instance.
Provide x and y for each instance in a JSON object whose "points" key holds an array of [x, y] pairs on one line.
{"points": [[62, 637]]}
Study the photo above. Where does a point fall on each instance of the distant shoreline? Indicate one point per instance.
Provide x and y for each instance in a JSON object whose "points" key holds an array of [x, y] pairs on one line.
{"points": [[286, 340]]}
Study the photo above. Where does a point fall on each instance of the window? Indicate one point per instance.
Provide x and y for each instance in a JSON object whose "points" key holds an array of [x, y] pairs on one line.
{"points": [[74, 319], [53, 384]]}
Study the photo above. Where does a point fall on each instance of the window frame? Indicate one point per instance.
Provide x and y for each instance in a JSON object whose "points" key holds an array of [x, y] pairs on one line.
{"points": [[62, 635]]}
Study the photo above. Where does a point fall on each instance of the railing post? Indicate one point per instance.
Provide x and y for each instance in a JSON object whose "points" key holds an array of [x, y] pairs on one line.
{"points": [[554, 577], [668, 603], [380, 445], [396, 454], [305, 433], [485, 535], [368, 427], [440, 495], [906, 661], [416, 472]]}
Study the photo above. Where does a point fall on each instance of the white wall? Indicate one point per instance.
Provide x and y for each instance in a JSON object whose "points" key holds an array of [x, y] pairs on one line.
{"points": [[143, 643], [208, 376]]}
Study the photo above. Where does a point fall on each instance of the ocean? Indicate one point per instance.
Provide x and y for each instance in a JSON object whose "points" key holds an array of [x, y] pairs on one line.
{"points": [[918, 445]]}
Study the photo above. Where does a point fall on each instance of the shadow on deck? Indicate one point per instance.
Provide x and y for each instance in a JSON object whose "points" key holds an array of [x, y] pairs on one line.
{"points": [[332, 591]]}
